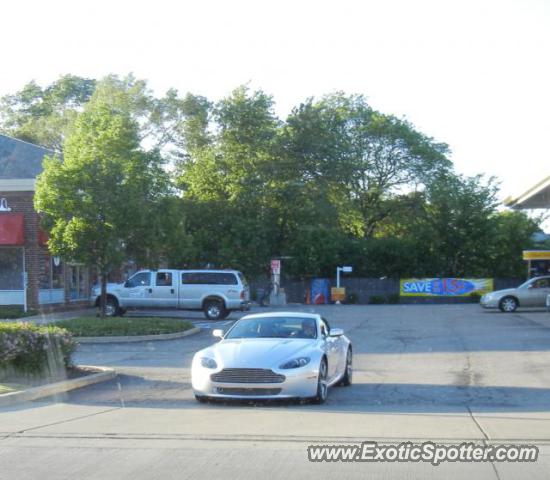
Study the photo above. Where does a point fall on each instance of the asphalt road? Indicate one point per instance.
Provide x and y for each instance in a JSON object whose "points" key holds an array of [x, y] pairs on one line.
{"points": [[441, 373]]}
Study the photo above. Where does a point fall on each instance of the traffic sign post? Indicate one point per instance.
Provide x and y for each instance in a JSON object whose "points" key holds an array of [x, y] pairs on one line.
{"points": [[276, 275], [346, 269]]}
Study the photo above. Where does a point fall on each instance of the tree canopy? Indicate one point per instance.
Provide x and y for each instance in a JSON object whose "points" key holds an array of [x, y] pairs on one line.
{"points": [[100, 201], [187, 181]]}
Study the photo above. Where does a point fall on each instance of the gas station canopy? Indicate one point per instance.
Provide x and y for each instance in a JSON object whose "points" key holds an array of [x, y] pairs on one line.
{"points": [[536, 197]]}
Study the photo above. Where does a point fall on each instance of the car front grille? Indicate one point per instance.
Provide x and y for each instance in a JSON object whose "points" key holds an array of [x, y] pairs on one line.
{"points": [[247, 375], [256, 392]]}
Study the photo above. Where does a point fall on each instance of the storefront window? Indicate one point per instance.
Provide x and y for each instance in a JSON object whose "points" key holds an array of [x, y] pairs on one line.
{"points": [[11, 268], [53, 273], [78, 282], [51, 281], [57, 273]]}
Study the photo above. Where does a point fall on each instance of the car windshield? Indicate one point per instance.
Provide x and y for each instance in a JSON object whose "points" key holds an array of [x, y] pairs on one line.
{"points": [[274, 327]]}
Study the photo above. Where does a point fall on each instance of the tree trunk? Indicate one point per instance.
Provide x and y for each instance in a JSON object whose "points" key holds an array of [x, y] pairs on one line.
{"points": [[103, 298]]}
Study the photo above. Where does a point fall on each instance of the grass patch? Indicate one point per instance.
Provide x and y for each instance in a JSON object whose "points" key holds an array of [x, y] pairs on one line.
{"points": [[15, 311], [122, 326]]}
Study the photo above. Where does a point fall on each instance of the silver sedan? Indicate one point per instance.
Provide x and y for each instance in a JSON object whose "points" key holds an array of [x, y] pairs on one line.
{"points": [[532, 293], [274, 355]]}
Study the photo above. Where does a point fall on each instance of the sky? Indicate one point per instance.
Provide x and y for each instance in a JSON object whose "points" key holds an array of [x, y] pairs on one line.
{"points": [[472, 74]]}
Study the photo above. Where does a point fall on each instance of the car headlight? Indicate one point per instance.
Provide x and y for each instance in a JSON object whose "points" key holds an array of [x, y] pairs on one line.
{"points": [[296, 363], [207, 362]]}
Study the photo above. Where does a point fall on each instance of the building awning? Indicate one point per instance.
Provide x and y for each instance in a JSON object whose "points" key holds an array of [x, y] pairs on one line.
{"points": [[536, 254], [12, 229], [536, 197]]}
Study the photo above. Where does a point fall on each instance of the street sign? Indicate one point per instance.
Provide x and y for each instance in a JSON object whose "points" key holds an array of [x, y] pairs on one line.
{"points": [[276, 267]]}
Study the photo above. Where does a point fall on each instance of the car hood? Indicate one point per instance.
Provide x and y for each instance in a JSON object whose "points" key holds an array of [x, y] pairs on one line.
{"points": [[259, 352], [507, 291]]}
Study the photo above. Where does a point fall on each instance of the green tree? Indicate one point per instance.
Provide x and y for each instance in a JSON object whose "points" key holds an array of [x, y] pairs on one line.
{"points": [[513, 234], [359, 158], [457, 224], [44, 116], [98, 201], [226, 176]]}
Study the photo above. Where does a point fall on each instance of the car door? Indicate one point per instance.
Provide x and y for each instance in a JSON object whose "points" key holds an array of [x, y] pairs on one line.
{"points": [[136, 291], [340, 350], [331, 349], [536, 293], [191, 287], [165, 294]]}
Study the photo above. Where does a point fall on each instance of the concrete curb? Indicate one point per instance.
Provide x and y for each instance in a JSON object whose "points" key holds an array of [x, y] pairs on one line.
{"points": [[35, 393], [138, 338]]}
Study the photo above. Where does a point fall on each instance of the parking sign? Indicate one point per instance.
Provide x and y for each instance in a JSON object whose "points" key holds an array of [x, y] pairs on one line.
{"points": [[276, 267]]}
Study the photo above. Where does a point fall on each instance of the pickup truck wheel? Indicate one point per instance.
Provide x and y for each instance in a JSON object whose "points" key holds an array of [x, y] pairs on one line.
{"points": [[111, 307], [214, 309]]}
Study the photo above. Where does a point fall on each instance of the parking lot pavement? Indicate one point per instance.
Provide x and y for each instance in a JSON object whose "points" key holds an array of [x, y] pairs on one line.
{"points": [[421, 372]]}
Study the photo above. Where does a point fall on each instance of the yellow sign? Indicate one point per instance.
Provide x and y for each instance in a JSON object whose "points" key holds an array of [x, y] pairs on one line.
{"points": [[338, 294], [444, 287], [536, 254]]}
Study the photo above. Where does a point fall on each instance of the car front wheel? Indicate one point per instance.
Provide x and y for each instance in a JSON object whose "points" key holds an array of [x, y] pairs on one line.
{"points": [[111, 307], [508, 304], [322, 384], [347, 378]]}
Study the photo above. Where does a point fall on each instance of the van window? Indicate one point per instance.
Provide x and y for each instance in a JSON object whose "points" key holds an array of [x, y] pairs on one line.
{"points": [[208, 278], [164, 279]]}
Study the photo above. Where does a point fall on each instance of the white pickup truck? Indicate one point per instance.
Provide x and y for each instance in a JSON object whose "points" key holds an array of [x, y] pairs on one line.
{"points": [[216, 292]]}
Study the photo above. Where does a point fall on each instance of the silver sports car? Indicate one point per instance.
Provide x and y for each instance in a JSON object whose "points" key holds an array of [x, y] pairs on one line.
{"points": [[274, 355]]}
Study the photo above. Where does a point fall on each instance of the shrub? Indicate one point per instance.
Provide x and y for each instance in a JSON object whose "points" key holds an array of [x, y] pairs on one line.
{"points": [[393, 298], [475, 297], [377, 299], [254, 295], [352, 298], [14, 311], [32, 349]]}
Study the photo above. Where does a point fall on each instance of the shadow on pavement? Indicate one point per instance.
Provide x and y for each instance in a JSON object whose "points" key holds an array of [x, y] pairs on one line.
{"points": [[396, 398]]}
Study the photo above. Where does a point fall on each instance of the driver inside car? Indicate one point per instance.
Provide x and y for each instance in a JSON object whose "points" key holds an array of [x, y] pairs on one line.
{"points": [[308, 328]]}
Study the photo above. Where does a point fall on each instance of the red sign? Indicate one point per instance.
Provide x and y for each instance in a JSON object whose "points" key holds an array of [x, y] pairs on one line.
{"points": [[276, 267], [12, 229]]}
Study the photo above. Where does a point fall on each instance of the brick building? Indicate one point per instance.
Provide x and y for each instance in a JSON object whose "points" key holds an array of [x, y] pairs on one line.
{"points": [[23, 249]]}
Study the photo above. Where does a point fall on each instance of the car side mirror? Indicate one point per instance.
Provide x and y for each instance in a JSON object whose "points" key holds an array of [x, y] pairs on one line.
{"points": [[336, 332], [218, 332], [126, 284]]}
